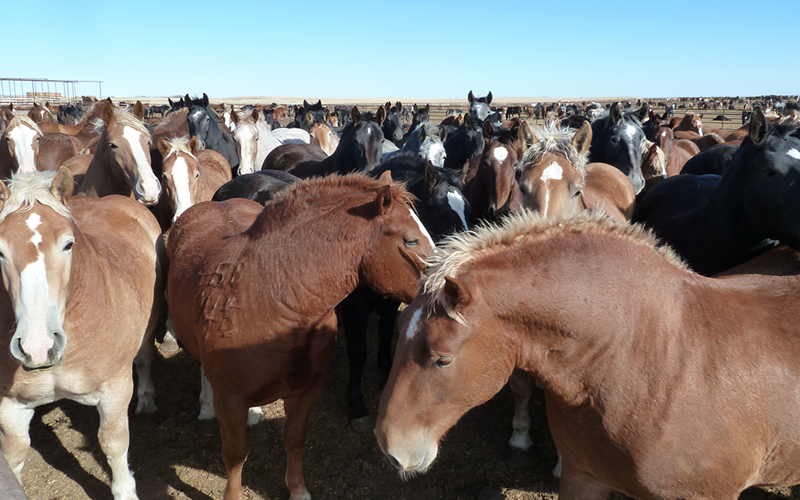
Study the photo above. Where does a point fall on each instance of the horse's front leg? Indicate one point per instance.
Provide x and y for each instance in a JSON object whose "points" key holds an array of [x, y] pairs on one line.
{"points": [[113, 433], [15, 421], [298, 410]]}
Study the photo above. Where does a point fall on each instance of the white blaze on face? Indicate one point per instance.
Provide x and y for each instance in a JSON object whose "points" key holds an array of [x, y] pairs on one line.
{"points": [[456, 202], [794, 154], [553, 172], [500, 154], [414, 323], [34, 298], [183, 195], [23, 147], [433, 151], [150, 188], [422, 228], [246, 137]]}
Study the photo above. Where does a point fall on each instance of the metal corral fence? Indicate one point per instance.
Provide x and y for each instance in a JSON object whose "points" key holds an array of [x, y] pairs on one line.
{"points": [[26, 91]]}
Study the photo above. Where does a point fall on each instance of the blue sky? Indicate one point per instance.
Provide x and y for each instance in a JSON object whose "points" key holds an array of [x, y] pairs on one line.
{"points": [[416, 49]]}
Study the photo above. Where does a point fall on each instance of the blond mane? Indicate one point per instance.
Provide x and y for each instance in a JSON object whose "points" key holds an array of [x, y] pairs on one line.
{"points": [[489, 239], [554, 140], [179, 145], [124, 118], [29, 188]]}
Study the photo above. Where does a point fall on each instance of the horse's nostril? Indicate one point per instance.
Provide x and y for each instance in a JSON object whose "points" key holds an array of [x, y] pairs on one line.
{"points": [[395, 463]]}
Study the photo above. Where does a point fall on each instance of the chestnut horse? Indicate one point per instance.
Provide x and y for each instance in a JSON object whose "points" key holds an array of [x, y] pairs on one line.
{"points": [[555, 177], [680, 387], [19, 145], [122, 162], [189, 177], [261, 320], [81, 278]]}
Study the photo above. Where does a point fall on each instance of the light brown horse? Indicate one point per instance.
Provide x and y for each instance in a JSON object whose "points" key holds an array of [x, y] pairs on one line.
{"points": [[122, 162], [677, 151], [556, 179], [680, 387], [19, 145], [322, 136], [252, 295], [189, 177], [77, 309], [40, 114]]}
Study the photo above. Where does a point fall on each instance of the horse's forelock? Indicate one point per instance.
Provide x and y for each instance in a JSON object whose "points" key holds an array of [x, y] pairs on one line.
{"points": [[29, 188]]}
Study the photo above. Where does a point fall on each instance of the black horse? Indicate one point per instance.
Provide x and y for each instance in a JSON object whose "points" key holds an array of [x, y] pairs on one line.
{"points": [[392, 126], [464, 143], [260, 186], [717, 222], [306, 116], [203, 125], [443, 210], [617, 139]]}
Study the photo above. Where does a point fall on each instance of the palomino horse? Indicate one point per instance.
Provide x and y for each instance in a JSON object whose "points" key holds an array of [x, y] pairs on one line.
{"points": [[717, 222], [688, 394], [617, 140], [189, 176], [556, 178], [260, 337], [19, 146], [321, 135], [254, 141], [122, 162], [81, 278]]}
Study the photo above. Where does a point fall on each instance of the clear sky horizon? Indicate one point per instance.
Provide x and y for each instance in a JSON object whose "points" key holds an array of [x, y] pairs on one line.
{"points": [[411, 49]]}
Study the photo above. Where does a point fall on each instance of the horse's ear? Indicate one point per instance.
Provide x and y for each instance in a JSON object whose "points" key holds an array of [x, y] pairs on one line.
{"points": [[319, 104], [423, 133], [388, 106], [11, 107], [415, 108], [205, 100], [163, 147], [380, 115], [383, 201], [468, 120], [107, 114], [4, 194], [355, 114], [456, 293], [170, 102], [305, 104], [582, 138], [234, 117], [138, 110], [399, 106], [642, 114], [194, 145], [187, 100], [33, 115], [526, 136], [430, 175], [327, 115], [758, 125], [6, 115], [489, 98], [309, 117], [255, 114], [386, 177], [470, 97], [62, 185], [488, 130], [428, 107], [700, 116], [443, 133], [616, 113]]}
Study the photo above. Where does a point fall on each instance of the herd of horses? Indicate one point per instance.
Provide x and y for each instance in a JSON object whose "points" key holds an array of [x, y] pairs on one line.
{"points": [[641, 269]]}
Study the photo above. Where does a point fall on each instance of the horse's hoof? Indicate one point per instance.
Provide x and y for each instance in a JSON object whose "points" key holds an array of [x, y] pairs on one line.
{"points": [[363, 425], [520, 459], [207, 427]]}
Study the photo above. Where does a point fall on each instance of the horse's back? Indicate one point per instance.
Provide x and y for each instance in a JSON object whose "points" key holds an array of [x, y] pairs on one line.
{"points": [[713, 160], [609, 189], [215, 171]]}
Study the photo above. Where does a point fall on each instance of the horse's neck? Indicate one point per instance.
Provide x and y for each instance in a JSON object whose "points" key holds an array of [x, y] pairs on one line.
{"points": [[99, 179], [8, 165]]}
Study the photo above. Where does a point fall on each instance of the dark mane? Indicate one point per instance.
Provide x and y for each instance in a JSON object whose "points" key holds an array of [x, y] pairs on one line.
{"points": [[322, 194], [408, 167]]}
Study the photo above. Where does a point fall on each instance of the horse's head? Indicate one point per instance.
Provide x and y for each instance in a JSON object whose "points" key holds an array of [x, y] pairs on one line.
{"points": [[551, 174], [21, 142], [498, 162], [125, 145], [392, 125], [431, 144], [324, 137], [180, 173], [245, 134], [447, 361], [366, 138], [36, 239], [393, 263], [479, 107], [617, 139], [441, 205], [771, 157]]}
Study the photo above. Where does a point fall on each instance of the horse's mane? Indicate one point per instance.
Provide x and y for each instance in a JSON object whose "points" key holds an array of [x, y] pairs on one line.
{"points": [[29, 188], [325, 193], [408, 167], [489, 239], [171, 117], [554, 140], [123, 118], [24, 120], [179, 145]]}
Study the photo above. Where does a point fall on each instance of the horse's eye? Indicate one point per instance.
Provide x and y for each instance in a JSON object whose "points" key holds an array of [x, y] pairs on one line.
{"points": [[112, 145], [411, 242], [196, 175], [68, 246], [577, 193], [443, 361], [769, 173]]}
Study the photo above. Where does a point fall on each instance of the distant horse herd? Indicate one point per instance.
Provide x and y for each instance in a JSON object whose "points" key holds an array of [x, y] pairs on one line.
{"points": [[642, 268]]}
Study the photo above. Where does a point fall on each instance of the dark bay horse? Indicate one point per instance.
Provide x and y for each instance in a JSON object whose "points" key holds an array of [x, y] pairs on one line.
{"points": [[687, 394], [392, 126], [617, 139], [261, 317], [80, 302], [717, 222]]}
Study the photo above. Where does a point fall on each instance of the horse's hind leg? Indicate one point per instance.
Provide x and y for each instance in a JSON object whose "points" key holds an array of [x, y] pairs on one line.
{"points": [[521, 389], [355, 311], [298, 410], [145, 390], [15, 421], [387, 316], [114, 436], [232, 418], [578, 485]]}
